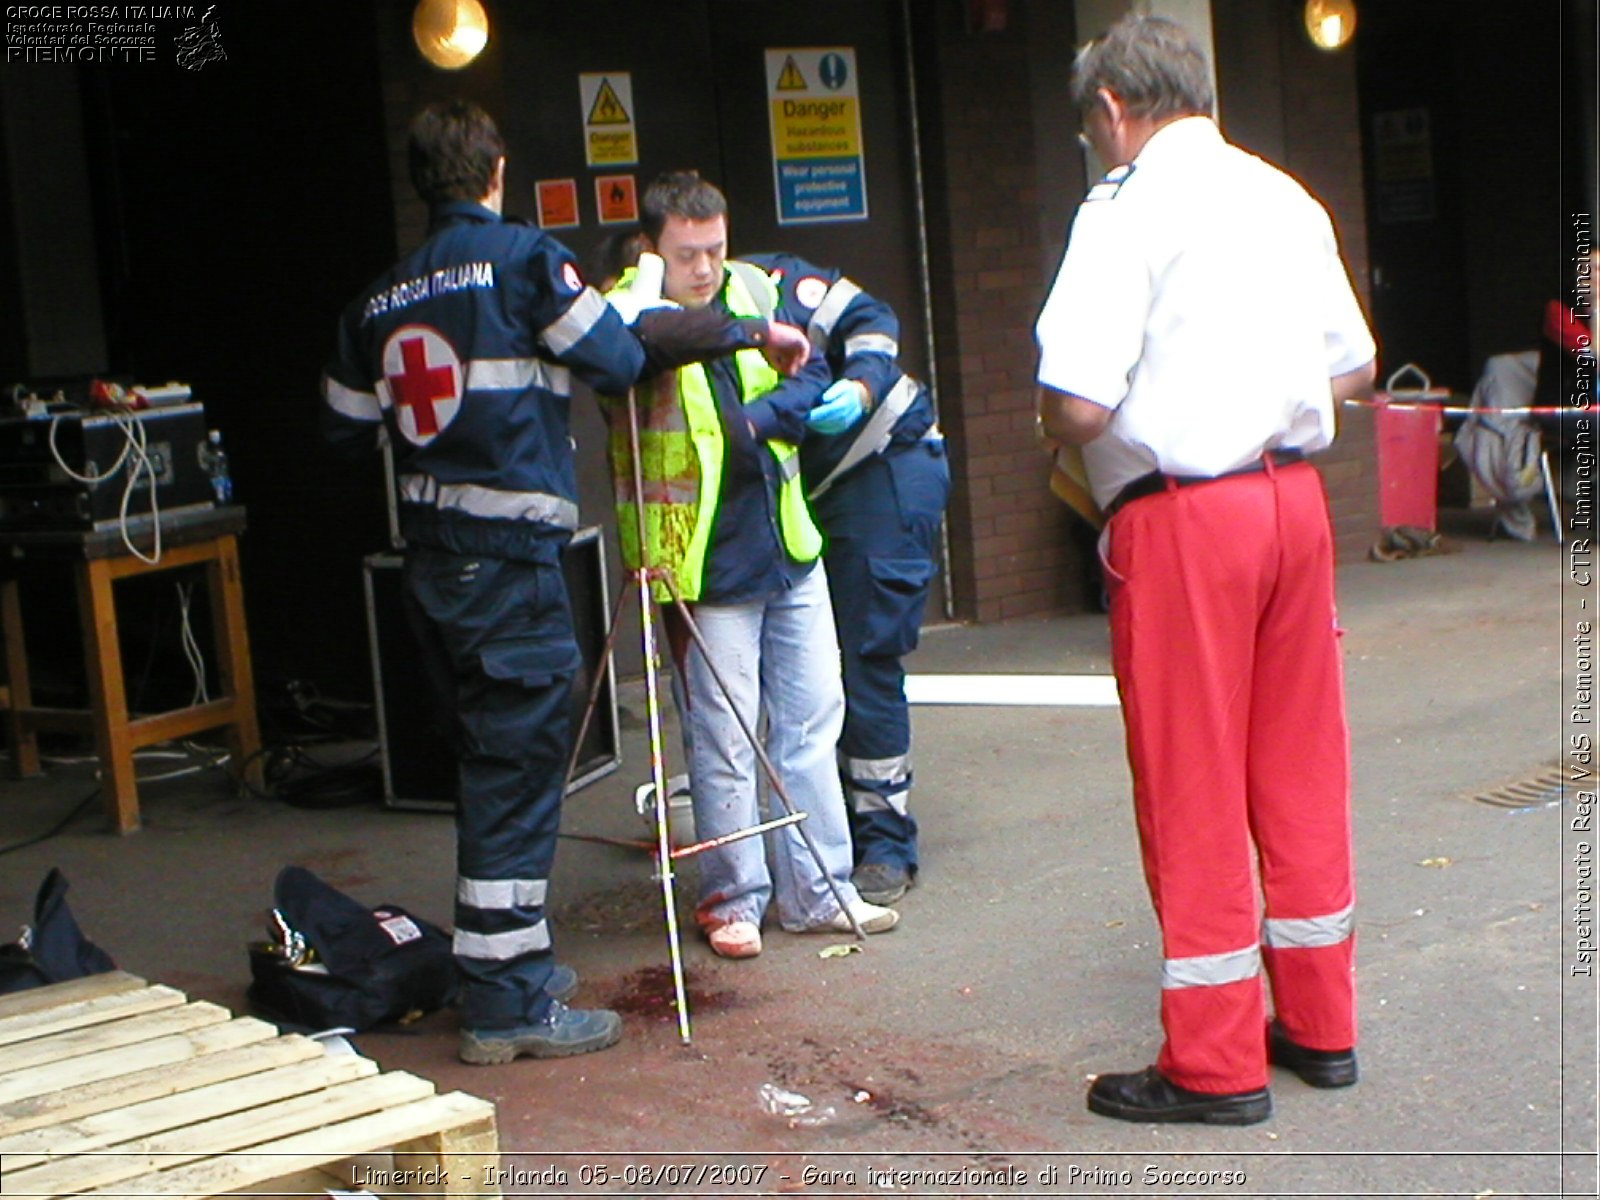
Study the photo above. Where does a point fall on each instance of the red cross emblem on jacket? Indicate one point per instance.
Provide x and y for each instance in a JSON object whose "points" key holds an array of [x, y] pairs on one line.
{"points": [[422, 376]]}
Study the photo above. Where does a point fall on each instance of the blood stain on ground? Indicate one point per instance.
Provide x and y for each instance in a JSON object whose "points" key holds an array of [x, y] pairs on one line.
{"points": [[650, 993]]}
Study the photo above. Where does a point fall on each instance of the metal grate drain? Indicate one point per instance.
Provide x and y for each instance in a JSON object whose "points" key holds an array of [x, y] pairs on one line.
{"points": [[1535, 791]]}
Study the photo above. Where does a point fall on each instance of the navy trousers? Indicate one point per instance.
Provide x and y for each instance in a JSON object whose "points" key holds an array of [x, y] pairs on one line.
{"points": [[882, 524], [499, 648]]}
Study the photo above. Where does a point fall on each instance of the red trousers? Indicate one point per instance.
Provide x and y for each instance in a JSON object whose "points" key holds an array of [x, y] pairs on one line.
{"points": [[1227, 660]]}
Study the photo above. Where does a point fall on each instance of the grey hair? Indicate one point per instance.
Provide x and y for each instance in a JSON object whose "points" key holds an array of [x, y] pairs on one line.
{"points": [[1153, 65]]}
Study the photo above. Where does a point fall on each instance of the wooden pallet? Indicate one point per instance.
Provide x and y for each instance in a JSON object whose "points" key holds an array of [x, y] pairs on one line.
{"points": [[110, 1086]]}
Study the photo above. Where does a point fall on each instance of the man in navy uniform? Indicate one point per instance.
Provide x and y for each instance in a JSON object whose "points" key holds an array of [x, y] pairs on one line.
{"points": [[874, 464], [465, 352]]}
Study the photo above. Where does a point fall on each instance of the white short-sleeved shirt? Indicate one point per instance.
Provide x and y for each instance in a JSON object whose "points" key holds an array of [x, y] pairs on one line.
{"points": [[1202, 298]]}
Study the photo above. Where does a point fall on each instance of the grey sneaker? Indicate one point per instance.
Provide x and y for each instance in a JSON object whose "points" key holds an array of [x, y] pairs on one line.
{"points": [[563, 1031], [882, 883]]}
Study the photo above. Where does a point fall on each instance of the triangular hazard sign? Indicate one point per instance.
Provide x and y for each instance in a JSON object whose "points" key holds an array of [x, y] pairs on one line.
{"points": [[790, 80], [607, 108]]}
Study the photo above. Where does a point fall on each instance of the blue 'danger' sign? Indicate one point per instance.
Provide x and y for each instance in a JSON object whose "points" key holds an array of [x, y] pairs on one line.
{"points": [[818, 160]]}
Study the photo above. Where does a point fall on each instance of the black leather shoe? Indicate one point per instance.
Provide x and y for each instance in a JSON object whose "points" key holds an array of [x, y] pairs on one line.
{"points": [[1148, 1095], [1319, 1068]]}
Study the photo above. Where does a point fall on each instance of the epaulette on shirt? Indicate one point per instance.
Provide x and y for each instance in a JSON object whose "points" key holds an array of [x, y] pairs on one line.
{"points": [[1108, 187]]}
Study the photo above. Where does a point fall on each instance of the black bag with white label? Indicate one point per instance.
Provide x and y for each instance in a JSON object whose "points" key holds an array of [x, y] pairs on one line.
{"points": [[340, 963]]}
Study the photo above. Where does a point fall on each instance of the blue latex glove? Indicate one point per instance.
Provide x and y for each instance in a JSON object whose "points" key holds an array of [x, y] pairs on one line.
{"points": [[839, 408]]}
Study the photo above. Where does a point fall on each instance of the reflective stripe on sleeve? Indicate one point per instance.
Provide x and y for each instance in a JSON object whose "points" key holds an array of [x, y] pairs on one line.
{"points": [[501, 946], [501, 893], [348, 402], [491, 503], [871, 343], [827, 314], [1211, 970], [1301, 933], [570, 328], [516, 374], [789, 468]]}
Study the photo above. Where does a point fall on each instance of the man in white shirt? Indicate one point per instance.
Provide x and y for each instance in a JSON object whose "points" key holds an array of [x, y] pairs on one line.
{"points": [[1199, 333]]}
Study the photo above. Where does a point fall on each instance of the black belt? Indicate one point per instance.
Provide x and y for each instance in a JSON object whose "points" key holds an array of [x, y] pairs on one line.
{"points": [[1155, 481]]}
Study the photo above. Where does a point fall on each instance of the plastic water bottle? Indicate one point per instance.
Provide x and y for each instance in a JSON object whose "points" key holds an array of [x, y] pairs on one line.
{"points": [[217, 468]]}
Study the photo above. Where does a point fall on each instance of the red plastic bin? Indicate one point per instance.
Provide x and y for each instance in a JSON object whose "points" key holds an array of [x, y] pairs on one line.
{"points": [[1407, 428]]}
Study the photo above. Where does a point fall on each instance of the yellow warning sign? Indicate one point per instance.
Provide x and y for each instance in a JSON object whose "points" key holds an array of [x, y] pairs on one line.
{"points": [[790, 79], [818, 160], [608, 129], [607, 108]]}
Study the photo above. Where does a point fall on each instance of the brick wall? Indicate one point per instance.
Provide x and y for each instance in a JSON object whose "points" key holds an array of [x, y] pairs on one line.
{"points": [[1322, 148], [1015, 549]]}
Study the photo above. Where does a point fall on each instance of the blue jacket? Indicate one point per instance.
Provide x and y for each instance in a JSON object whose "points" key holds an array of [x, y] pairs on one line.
{"points": [[860, 335], [466, 349]]}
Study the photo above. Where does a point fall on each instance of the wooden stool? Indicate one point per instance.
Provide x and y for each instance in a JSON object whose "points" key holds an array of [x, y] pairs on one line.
{"points": [[101, 558], [111, 1085]]}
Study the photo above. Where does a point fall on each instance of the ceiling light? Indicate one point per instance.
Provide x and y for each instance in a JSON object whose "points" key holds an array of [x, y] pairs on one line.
{"points": [[450, 33], [1330, 23]]}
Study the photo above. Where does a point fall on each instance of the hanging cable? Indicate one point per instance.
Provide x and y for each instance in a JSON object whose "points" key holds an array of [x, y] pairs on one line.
{"points": [[136, 445], [191, 646]]}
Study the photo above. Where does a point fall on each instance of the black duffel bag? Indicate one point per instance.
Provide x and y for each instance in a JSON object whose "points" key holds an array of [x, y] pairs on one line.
{"points": [[338, 963]]}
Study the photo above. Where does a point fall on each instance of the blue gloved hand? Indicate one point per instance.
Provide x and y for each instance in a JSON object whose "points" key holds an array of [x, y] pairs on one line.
{"points": [[840, 408]]}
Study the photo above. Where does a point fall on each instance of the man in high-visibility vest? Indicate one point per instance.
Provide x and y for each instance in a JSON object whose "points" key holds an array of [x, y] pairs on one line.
{"points": [[725, 511]]}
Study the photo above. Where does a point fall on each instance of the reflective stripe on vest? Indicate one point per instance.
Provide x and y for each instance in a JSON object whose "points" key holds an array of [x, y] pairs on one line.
{"points": [[681, 449], [490, 503], [1304, 933], [1212, 970]]}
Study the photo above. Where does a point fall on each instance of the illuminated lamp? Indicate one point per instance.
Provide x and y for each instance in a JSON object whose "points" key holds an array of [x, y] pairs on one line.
{"points": [[450, 33], [1330, 23]]}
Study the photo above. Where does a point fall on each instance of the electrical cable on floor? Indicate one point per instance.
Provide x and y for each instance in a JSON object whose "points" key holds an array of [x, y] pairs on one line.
{"points": [[291, 771], [319, 785], [54, 829]]}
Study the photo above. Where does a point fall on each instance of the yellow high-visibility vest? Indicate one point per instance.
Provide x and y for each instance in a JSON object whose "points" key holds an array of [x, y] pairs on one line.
{"points": [[681, 448]]}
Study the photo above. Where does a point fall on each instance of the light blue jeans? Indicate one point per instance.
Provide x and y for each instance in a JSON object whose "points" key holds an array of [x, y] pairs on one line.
{"points": [[780, 659]]}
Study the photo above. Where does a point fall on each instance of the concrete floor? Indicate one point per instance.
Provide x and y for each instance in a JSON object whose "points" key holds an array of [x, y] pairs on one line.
{"points": [[1027, 959]]}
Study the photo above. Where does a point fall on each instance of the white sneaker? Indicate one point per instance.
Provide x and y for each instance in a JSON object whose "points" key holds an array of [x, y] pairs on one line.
{"points": [[736, 939], [871, 917]]}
